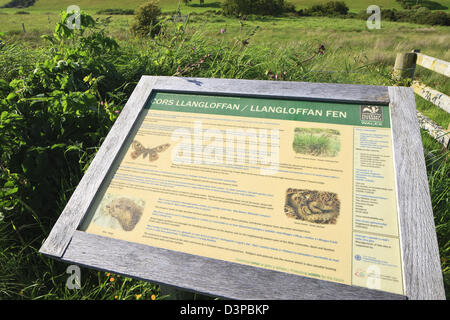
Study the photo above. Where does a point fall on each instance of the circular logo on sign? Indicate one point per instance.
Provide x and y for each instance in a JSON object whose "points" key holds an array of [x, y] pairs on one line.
{"points": [[358, 257]]}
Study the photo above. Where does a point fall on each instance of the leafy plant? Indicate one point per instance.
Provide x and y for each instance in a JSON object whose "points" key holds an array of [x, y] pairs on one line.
{"points": [[147, 20], [49, 116], [263, 7], [330, 9], [116, 11]]}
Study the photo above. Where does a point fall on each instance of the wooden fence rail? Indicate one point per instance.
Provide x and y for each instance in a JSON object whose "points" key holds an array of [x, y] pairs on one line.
{"points": [[405, 66], [434, 64]]}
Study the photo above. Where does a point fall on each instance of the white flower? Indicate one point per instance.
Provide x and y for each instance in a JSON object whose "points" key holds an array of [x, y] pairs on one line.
{"points": [[62, 63]]}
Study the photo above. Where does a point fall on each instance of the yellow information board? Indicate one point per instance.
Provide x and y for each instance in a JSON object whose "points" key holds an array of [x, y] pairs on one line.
{"points": [[301, 187]]}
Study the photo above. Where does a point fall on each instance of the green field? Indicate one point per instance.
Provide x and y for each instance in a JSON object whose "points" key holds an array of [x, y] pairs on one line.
{"points": [[51, 5], [55, 5], [44, 13]]}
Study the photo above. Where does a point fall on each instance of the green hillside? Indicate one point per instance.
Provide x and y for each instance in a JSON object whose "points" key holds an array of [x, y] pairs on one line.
{"points": [[356, 5], [47, 6], [171, 4], [3, 2], [52, 5]]}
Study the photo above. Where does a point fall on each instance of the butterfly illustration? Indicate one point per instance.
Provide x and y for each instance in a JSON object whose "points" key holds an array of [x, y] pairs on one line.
{"points": [[373, 109], [152, 153]]}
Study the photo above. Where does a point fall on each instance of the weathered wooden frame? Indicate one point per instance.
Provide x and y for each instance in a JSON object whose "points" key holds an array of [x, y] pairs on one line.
{"points": [[419, 248]]}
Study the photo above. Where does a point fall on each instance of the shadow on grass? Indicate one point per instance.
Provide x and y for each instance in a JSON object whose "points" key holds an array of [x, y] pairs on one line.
{"points": [[205, 5], [432, 5]]}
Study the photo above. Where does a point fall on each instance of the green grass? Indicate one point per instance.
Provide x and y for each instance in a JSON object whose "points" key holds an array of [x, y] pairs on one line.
{"points": [[52, 5], [434, 79], [317, 144], [337, 34], [438, 170], [353, 55], [170, 4], [441, 117]]}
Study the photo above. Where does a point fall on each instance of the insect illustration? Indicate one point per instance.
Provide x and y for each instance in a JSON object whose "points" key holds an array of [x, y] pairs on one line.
{"points": [[152, 153], [373, 109]]}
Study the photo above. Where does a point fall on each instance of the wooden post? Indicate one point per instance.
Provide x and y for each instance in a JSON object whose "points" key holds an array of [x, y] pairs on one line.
{"points": [[23, 27], [405, 65]]}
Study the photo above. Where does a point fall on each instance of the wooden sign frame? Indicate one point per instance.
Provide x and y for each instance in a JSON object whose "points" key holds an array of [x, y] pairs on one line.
{"points": [[419, 248]]}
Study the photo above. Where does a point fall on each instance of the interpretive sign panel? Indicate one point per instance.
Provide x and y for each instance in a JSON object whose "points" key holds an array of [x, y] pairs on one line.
{"points": [[259, 181], [285, 185]]}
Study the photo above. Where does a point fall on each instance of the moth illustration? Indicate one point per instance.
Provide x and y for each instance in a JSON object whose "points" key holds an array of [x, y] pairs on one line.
{"points": [[373, 109], [152, 153]]}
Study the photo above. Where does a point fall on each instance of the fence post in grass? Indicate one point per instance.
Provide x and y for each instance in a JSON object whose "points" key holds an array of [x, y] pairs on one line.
{"points": [[405, 65], [23, 27]]}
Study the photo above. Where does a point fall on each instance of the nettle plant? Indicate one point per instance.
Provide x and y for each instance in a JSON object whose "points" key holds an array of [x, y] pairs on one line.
{"points": [[53, 118]]}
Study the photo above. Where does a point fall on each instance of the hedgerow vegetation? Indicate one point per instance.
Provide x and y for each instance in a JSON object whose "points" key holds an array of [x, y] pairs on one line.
{"points": [[59, 100], [418, 14], [415, 4], [19, 4], [147, 20], [415, 14], [262, 7]]}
